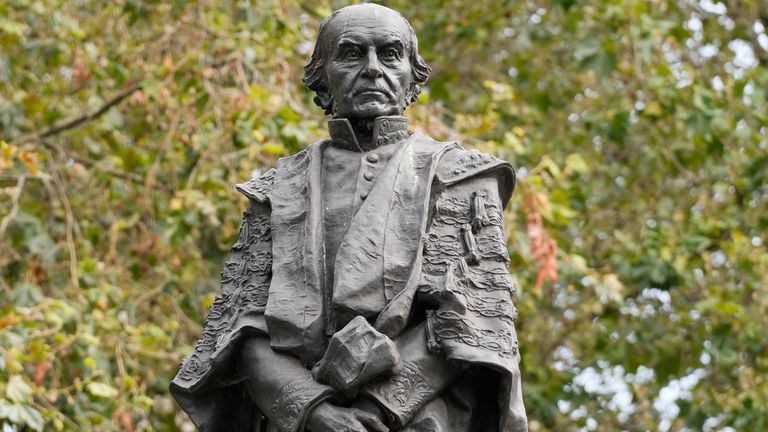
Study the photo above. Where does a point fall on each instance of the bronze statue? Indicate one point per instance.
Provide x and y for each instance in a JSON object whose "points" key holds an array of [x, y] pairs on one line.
{"points": [[368, 289]]}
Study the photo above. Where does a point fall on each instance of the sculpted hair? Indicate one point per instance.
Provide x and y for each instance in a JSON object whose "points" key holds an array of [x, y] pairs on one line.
{"points": [[314, 72]]}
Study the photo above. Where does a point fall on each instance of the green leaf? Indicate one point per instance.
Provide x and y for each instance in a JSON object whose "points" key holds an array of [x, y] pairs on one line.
{"points": [[17, 389], [12, 27], [102, 390], [21, 415]]}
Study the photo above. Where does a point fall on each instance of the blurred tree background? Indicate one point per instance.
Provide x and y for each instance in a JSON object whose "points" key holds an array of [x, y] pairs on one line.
{"points": [[638, 232]]}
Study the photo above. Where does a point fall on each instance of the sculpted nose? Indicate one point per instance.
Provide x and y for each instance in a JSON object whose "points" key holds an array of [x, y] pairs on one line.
{"points": [[372, 67]]}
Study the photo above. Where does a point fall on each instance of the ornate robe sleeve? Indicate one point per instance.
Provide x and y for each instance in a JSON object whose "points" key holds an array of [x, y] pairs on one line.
{"points": [[280, 385], [465, 279], [237, 311], [245, 282], [465, 275]]}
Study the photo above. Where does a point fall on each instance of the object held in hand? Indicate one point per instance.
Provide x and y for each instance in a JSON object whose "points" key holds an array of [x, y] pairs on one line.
{"points": [[355, 355]]}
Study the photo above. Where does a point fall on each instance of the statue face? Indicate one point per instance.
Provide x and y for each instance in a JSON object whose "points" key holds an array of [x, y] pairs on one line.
{"points": [[368, 67]]}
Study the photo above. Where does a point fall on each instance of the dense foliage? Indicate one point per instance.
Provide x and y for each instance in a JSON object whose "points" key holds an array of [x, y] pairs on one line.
{"points": [[638, 231]]}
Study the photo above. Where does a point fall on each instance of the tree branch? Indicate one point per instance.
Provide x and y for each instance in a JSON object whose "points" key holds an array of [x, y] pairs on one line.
{"points": [[7, 180], [92, 116], [70, 226], [83, 119], [61, 153], [14, 205]]}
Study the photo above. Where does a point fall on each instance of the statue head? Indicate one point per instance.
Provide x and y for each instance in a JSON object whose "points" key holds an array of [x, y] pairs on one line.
{"points": [[366, 63]]}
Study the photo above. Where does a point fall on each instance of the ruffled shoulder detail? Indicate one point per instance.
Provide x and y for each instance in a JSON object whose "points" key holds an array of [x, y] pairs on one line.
{"points": [[459, 164], [258, 188]]}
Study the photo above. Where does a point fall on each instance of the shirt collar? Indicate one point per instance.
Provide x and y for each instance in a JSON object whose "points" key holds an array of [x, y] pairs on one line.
{"points": [[386, 130]]}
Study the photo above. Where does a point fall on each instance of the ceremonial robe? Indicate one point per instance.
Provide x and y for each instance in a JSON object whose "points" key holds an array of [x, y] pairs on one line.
{"points": [[425, 243]]}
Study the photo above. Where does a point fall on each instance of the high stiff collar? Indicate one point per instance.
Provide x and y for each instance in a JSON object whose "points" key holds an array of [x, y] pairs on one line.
{"points": [[386, 130]]}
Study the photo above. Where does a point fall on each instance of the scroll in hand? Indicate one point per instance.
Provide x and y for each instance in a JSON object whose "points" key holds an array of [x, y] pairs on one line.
{"points": [[355, 355]]}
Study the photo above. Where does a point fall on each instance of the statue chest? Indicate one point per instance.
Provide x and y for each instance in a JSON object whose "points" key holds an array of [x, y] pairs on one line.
{"points": [[348, 177]]}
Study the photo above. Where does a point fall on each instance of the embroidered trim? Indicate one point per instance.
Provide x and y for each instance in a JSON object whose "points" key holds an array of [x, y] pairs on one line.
{"points": [[473, 160], [491, 245], [258, 188], [288, 408], [452, 211], [252, 230], [230, 271], [489, 306], [404, 393], [493, 215], [451, 326], [392, 137], [245, 280], [492, 278], [440, 248], [194, 367], [199, 363], [256, 273], [465, 264]]}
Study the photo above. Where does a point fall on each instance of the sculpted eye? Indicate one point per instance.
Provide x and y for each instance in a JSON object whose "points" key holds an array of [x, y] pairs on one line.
{"points": [[351, 54], [390, 54]]}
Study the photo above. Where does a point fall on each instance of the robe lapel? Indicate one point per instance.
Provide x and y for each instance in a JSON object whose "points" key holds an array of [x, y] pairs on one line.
{"points": [[294, 310], [358, 287], [376, 258], [405, 230], [406, 214]]}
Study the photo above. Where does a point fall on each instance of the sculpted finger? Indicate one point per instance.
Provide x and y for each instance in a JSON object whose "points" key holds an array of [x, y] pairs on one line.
{"points": [[354, 426], [323, 427], [371, 422]]}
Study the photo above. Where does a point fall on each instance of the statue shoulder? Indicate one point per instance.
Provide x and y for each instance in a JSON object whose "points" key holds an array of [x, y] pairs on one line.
{"points": [[459, 165], [259, 187]]}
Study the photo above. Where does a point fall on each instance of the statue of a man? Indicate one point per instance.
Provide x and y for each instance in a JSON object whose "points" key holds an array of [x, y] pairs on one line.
{"points": [[369, 287]]}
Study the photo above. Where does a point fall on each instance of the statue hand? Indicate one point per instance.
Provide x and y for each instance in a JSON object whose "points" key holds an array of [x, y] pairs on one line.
{"points": [[367, 404], [327, 417], [355, 355]]}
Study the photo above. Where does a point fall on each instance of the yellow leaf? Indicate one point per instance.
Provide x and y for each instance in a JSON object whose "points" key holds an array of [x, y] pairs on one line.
{"points": [[653, 109], [575, 163], [513, 142], [6, 155], [29, 159], [259, 136], [273, 149], [90, 362], [7, 149]]}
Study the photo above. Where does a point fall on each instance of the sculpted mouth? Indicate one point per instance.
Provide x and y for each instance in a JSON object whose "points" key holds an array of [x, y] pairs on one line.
{"points": [[371, 90]]}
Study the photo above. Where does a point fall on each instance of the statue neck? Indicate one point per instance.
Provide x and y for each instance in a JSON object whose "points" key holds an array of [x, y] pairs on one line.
{"points": [[365, 135], [363, 130]]}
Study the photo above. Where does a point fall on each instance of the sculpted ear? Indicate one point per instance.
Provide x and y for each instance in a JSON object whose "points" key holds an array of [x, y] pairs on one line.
{"points": [[412, 95], [314, 75], [324, 100], [420, 71]]}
